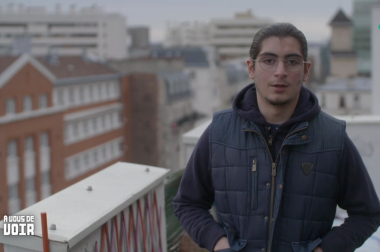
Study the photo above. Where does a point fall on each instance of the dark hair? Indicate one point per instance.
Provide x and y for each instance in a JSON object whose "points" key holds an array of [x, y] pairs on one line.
{"points": [[278, 30]]}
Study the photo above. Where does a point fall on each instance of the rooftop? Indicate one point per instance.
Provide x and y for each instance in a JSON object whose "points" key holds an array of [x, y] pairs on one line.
{"points": [[74, 66], [192, 56], [342, 84], [340, 19]]}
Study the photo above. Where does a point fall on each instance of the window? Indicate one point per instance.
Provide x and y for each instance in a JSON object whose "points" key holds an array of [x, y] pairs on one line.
{"points": [[94, 125], [356, 98], [81, 94], [43, 100], [44, 140], [76, 164], [85, 127], [342, 103], [13, 191], [95, 156], [100, 93], [45, 178], [104, 122], [12, 148], [89, 91], [71, 95], [86, 160], [10, 106], [60, 97], [29, 144], [29, 184], [107, 89], [76, 133], [104, 151], [27, 103]]}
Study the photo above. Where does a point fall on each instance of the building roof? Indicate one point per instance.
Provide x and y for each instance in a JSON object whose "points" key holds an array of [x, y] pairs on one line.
{"points": [[6, 61], [59, 70], [74, 66], [340, 19], [192, 56]]}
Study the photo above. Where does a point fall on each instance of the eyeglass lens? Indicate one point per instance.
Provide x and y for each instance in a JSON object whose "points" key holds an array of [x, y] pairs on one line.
{"points": [[269, 63]]}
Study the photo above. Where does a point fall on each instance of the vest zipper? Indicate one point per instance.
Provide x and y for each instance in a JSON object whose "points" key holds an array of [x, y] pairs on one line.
{"points": [[270, 140], [274, 173], [254, 184]]}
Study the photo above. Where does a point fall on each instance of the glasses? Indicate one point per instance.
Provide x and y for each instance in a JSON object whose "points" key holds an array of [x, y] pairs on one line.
{"points": [[292, 64]]}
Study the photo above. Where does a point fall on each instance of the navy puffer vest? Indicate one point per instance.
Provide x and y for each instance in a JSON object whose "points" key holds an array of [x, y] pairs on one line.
{"points": [[298, 188]]}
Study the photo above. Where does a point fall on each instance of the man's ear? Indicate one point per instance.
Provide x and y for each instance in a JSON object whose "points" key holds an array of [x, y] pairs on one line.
{"points": [[251, 68], [307, 71]]}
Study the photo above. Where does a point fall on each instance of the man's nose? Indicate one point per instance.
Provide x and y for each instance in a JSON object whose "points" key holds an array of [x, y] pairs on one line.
{"points": [[281, 70]]}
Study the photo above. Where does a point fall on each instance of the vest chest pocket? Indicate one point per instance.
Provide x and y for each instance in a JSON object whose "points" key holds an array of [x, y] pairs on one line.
{"points": [[254, 186]]}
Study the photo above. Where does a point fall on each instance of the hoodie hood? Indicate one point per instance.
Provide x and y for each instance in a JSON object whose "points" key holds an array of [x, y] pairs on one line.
{"points": [[245, 105]]}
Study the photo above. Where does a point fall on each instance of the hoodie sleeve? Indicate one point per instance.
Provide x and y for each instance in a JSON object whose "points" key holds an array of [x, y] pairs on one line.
{"points": [[358, 197], [196, 196]]}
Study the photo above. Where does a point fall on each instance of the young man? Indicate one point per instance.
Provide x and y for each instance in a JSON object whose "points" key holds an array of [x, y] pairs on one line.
{"points": [[275, 165]]}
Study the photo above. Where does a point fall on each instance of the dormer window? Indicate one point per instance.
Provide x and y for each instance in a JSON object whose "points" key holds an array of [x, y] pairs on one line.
{"points": [[27, 103], [10, 106]]}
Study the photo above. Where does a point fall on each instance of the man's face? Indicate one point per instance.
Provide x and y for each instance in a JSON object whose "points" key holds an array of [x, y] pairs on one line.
{"points": [[278, 87]]}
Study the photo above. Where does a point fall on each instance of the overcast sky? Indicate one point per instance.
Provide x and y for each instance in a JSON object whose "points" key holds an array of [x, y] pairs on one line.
{"points": [[310, 16]]}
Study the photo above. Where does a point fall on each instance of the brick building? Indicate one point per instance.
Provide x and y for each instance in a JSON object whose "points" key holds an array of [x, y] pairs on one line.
{"points": [[160, 108], [61, 120]]}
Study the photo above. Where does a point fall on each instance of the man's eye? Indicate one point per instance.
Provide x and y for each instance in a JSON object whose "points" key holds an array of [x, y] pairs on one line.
{"points": [[292, 62], [269, 61]]}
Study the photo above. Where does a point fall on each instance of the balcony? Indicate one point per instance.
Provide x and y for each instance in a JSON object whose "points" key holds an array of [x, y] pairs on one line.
{"points": [[121, 208]]}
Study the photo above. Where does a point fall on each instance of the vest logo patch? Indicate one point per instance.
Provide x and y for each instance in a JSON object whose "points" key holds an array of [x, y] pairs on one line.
{"points": [[307, 168]]}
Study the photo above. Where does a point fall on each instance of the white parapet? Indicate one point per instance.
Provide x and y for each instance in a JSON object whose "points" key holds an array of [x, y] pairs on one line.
{"points": [[375, 33], [123, 204]]}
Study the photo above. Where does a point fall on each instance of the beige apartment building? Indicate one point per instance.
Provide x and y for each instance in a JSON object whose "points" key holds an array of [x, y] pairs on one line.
{"points": [[61, 120], [68, 32]]}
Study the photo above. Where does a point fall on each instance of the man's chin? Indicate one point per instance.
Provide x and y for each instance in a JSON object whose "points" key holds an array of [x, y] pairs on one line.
{"points": [[277, 102]]}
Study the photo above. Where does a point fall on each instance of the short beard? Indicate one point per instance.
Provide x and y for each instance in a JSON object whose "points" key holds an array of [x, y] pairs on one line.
{"points": [[279, 103]]}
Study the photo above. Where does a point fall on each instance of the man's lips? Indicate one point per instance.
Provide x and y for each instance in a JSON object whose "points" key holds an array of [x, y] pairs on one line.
{"points": [[279, 85]]}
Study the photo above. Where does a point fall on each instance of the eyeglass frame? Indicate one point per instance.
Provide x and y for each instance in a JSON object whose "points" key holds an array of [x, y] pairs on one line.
{"points": [[278, 58]]}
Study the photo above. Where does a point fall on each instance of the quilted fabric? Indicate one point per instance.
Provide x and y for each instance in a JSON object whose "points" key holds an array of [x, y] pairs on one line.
{"points": [[304, 205]]}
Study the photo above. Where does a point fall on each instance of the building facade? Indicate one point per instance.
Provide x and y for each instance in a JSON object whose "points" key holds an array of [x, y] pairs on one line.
{"points": [[362, 34], [67, 32], [187, 34], [61, 120], [160, 108], [139, 41], [343, 57], [233, 36], [351, 96]]}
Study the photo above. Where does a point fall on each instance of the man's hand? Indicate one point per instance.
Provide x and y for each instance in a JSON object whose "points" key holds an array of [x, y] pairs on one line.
{"points": [[221, 244], [318, 249]]}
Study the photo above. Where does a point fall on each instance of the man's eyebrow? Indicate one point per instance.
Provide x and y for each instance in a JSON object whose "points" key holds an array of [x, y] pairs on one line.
{"points": [[275, 55]]}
